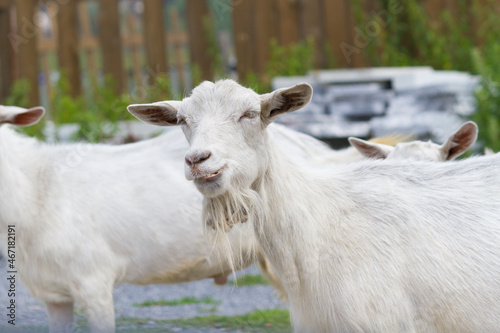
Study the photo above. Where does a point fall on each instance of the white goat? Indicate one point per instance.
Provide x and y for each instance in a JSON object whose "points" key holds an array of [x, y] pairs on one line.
{"points": [[91, 216], [310, 152], [456, 145], [372, 246]]}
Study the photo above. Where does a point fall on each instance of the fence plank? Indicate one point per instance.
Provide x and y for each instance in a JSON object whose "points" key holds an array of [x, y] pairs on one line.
{"points": [[338, 36], [87, 39], [355, 36], [111, 43], [243, 38], [6, 56], [264, 31], [197, 14], [5, 3], [154, 40], [179, 64], [313, 27], [289, 32], [67, 41], [136, 60], [47, 45], [25, 46]]}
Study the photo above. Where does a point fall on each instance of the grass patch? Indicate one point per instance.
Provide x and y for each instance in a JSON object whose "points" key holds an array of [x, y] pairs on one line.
{"points": [[182, 301], [251, 280], [24, 329], [268, 321], [263, 321]]}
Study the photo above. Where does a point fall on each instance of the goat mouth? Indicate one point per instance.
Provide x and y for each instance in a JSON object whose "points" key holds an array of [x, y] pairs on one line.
{"points": [[211, 176]]}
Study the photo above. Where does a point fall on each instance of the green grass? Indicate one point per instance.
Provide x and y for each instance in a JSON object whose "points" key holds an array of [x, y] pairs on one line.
{"points": [[251, 280], [262, 321], [182, 301], [258, 321]]}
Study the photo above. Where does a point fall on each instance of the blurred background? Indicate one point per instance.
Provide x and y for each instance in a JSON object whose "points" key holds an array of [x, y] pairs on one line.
{"points": [[86, 60], [377, 66]]}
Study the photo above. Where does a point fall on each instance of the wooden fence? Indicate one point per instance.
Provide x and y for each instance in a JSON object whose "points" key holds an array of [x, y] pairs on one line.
{"points": [[128, 48], [131, 48], [331, 23]]}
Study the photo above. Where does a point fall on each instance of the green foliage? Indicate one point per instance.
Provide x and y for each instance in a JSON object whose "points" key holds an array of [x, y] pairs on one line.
{"points": [[196, 75], [97, 113], [182, 301], [466, 40], [159, 90], [253, 81], [409, 37], [19, 94], [296, 59], [485, 62], [488, 96]]}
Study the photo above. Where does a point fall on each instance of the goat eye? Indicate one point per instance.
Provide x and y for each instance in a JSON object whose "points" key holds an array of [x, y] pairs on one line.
{"points": [[249, 114], [181, 121]]}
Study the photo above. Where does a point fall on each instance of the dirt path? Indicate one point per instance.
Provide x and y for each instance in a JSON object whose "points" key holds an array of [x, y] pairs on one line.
{"points": [[229, 301]]}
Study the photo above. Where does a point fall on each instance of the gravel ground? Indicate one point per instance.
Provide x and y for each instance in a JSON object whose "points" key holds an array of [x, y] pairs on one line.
{"points": [[233, 301]]}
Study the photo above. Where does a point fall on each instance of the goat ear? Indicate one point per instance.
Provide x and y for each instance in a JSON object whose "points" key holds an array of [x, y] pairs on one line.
{"points": [[284, 100], [20, 116], [460, 141], [159, 114], [370, 149]]}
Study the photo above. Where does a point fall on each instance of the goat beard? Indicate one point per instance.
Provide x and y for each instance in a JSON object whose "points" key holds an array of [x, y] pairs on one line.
{"points": [[221, 214]]}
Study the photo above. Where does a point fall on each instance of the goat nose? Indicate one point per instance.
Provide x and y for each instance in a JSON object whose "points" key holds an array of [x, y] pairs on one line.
{"points": [[197, 157]]}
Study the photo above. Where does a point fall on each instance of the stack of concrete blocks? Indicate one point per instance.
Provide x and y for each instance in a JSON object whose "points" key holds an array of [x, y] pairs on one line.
{"points": [[373, 102]]}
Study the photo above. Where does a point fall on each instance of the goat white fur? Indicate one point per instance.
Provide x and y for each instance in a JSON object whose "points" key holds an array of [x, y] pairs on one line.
{"points": [[91, 216], [456, 145], [309, 152], [373, 246]]}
